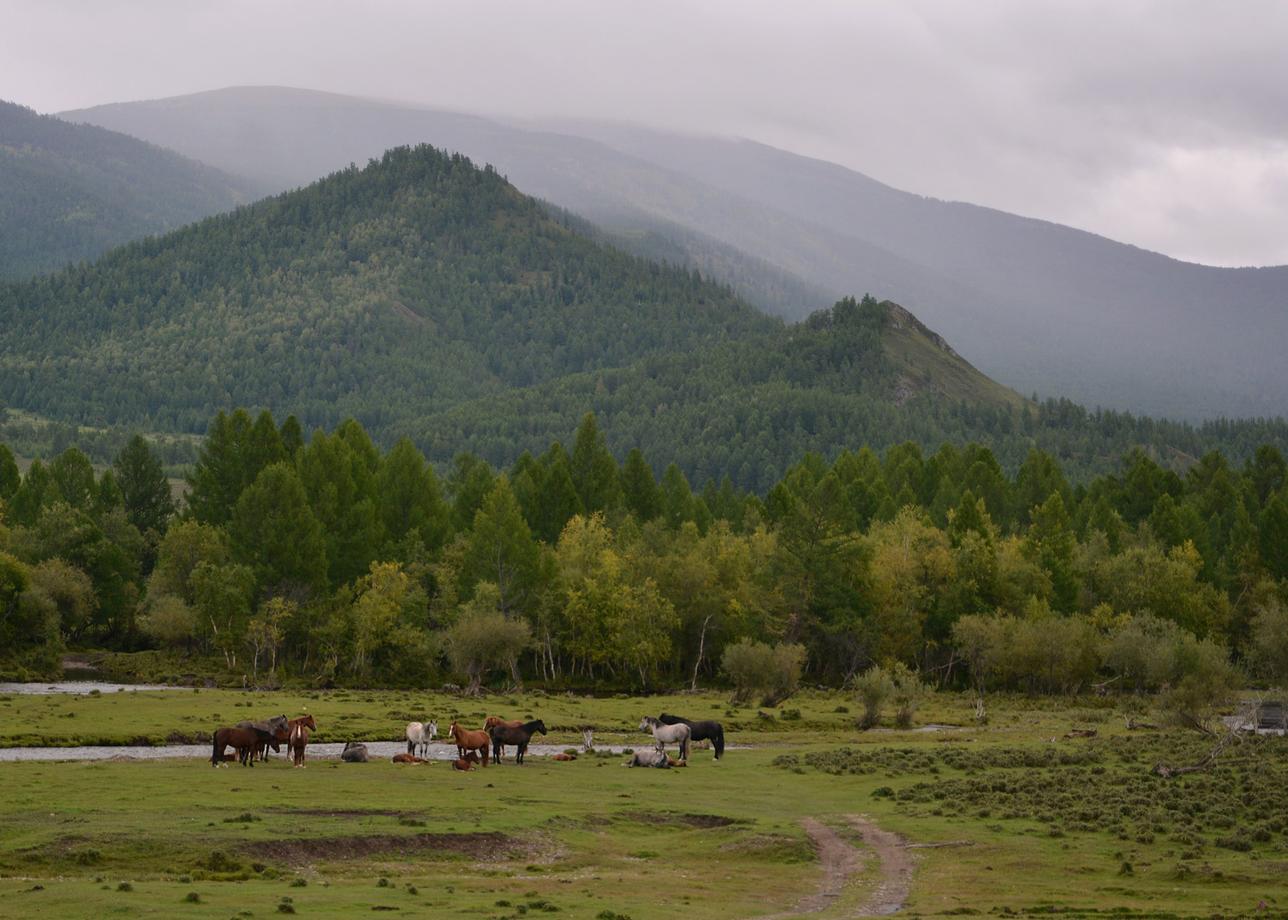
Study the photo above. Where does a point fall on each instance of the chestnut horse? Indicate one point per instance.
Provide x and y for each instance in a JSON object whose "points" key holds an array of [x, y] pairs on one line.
{"points": [[298, 737], [243, 740], [467, 740], [493, 721]]}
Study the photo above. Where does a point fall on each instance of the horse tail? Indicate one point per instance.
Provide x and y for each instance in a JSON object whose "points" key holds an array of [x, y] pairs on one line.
{"points": [[717, 742], [215, 752]]}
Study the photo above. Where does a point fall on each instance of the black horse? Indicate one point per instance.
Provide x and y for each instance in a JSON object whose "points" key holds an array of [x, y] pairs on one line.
{"points": [[702, 731], [519, 737]]}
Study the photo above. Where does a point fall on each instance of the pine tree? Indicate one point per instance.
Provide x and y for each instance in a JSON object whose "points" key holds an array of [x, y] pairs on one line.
{"points": [[500, 550], [9, 476], [639, 488], [329, 472], [145, 491], [274, 531], [594, 471], [410, 499]]}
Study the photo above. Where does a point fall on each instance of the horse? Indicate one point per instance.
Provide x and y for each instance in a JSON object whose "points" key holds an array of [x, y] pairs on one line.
{"points": [[467, 740], [278, 729], [298, 737], [520, 736], [649, 759], [563, 757], [492, 722], [408, 758], [244, 740], [463, 765], [663, 734], [419, 734], [700, 731], [354, 752]]}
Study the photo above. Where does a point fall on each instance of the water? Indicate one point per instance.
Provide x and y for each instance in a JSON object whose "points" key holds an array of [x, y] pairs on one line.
{"points": [[377, 750], [82, 687]]}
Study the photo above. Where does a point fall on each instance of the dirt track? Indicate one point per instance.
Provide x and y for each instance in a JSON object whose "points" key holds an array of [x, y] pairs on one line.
{"points": [[840, 861]]}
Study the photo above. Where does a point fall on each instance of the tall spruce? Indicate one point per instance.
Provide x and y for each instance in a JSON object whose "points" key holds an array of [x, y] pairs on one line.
{"points": [[145, 491]]}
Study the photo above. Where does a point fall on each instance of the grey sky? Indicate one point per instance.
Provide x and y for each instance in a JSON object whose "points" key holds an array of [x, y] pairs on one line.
{"points": [[1161, 124]]}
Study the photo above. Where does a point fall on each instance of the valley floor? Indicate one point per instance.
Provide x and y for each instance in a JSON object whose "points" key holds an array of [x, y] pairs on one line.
{"points": [[810, 818]]}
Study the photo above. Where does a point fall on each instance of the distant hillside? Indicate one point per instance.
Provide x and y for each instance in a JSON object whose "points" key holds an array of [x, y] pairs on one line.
{"points": [[1036, 305], [71, 192], [401, 288]]}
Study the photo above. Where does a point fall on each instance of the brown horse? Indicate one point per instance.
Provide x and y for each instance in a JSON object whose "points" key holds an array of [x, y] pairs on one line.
{"points": [[467, 740], [493, 721], [298, 737], [244, 740], [408, 758]]}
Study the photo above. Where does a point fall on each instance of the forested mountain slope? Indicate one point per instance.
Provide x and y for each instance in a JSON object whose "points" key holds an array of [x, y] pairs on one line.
{"points": [[70, 192], [1038, 306], [380, 293]]}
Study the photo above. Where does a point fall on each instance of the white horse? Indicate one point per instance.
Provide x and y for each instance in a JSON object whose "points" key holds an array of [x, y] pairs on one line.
{"points": [[419, 734], [665, 734]]}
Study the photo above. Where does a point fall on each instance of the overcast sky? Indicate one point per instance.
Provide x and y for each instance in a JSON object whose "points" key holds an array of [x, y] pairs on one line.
{"points": [[1161, 124]]}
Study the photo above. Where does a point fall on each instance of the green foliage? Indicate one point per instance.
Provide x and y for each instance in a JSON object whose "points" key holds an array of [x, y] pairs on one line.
{"points": [[484, 638], [756, 668], [145, 492], [274, 531]]}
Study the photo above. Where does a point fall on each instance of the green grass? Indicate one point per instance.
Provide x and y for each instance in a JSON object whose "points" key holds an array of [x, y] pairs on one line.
{"points": [[590, 839]]}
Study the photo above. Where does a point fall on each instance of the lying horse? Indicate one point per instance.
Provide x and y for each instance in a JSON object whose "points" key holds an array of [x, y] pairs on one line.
{"points": [[354, 752], [492, 722], [419, 734], [244, 740], [699, 731], [297, 738], [649, 759], [520, 736], [467, 740], [664, 734], [408, 758]]}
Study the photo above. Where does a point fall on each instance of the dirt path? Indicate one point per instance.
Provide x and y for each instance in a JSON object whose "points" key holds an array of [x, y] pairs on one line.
{"points": [[840, 861], [896, 869]]}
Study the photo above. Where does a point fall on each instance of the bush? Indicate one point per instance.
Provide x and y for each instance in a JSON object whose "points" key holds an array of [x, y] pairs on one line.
{"points": [[755, 667], [873, 686]]}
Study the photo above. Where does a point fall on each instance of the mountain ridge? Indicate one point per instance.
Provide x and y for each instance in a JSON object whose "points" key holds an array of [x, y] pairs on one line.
{"points": [[1042, 307]]}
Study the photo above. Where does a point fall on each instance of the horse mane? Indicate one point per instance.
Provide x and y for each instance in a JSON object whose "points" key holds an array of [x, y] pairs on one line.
{"points": [[530, 727]]}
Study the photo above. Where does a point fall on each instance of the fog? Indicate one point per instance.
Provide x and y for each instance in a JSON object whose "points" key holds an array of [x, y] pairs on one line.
{"points": [[1160, 124]]}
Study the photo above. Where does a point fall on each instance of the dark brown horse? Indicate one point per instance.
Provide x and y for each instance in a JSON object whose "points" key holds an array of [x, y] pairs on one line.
{"points": [[492, 722], [467, 740], [519, 737], [276, 731], [245, 741], [298, 737]]}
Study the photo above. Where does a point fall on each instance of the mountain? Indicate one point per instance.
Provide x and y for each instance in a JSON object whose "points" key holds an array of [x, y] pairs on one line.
{"points": [[429, 298], [70, 192], [409, 285], [1041, 307]]}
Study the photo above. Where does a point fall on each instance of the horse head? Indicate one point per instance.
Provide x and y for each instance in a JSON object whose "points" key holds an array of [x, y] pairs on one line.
{"points": [[433, 729], [539, 726], [491, 722], [647, 723], [454, 731]]}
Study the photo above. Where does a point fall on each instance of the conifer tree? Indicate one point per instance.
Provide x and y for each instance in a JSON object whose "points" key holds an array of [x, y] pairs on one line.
{"points": [[274, 530], [145, 491], [594, 471], [639, 488]]}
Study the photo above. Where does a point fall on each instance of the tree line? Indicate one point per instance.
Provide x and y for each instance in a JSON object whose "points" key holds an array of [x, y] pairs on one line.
{"points": [[328, 560]]}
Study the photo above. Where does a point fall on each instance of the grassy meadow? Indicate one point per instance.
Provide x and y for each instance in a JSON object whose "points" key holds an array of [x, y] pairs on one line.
{"points": [[1027, 820]]}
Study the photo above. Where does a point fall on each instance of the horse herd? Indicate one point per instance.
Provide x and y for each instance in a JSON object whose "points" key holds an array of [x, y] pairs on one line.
{"points": [[251, 741]]}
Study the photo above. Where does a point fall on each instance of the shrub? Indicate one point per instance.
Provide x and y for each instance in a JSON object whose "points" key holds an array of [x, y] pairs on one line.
{"points": [[873, 686], [755, 667]]}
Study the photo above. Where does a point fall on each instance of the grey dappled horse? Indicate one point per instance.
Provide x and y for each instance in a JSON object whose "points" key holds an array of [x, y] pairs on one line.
{"points": [[419, 735], [666, 734]]}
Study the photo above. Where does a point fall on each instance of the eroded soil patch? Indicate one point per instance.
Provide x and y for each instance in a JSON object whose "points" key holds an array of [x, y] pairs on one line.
{"points": [[677, 819], [482, 846]]}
